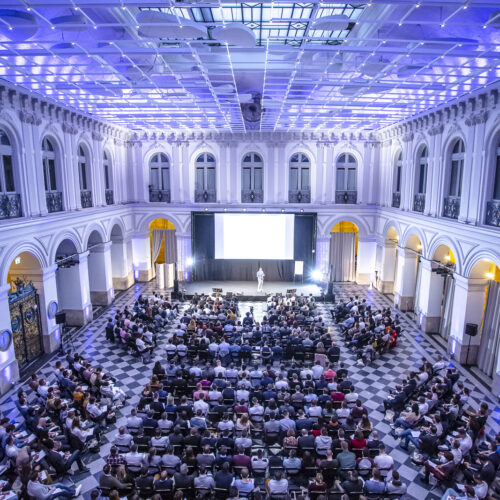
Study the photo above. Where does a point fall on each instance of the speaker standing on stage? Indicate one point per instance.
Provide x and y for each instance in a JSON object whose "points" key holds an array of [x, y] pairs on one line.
{"points": [[260, 280]]}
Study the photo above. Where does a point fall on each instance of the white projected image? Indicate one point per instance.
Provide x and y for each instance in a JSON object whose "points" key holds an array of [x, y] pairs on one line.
{"points": [[254, 236]]}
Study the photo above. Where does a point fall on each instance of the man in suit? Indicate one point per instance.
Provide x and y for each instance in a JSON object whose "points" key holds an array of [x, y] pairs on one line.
{"points": [[62, 464], [224, 478], [182, 479], [110, 482]]}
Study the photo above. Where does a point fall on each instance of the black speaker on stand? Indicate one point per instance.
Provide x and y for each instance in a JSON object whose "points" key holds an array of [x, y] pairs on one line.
{"points": [[61, 320], [471, 331], [330, 296], [175, 292]]}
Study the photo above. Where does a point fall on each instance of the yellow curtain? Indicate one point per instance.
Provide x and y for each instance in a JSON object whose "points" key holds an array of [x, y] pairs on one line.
{"points": [[159, 224]]}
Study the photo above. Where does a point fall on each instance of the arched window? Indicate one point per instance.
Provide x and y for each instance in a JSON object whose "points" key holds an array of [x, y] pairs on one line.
{"points": [[205, 178], [456, 168], [251, 179], [420, 181], [84, 176], [10, 201], [108, 178], [493, 205], [53, 197], [496, 182], [346, 178], [299, 190], [159, 176], [49, 165], [396, 191], [7, 184]]}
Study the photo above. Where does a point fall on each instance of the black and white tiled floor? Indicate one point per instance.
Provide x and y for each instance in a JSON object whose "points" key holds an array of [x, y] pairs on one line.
{"points": [[372, 382]]}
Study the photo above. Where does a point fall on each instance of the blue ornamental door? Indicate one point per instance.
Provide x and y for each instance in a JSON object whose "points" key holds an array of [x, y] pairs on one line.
{"points": [[25, 321]]}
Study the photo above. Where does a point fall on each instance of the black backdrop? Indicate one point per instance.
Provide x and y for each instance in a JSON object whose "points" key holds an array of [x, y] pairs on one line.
{"points": [[207, 268]]}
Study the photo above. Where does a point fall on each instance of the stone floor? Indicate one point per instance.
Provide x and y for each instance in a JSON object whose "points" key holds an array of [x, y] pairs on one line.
{"points": [[372, 382]]}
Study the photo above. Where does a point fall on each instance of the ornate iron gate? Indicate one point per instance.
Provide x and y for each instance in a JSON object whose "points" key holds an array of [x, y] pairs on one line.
{"points": [[25, 320]]}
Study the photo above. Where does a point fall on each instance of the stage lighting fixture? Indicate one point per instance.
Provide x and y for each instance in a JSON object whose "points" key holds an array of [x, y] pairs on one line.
{"points": [[317, 275], [189, 261]]}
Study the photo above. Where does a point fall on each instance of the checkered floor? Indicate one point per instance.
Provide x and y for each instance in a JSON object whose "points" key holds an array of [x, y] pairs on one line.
{"points": [[372, 382]]}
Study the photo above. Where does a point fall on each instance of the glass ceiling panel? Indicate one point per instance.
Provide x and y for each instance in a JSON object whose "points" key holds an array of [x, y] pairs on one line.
{"points": [[283, 23]]}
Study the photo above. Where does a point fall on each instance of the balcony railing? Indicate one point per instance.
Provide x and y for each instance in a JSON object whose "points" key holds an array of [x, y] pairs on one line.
{"points": [[396, 200], [86, 198], [346, 197], [54, 201], [205, 196], [451, 207], [10, 206], [493, 213], [252, 196], [302, 196], [162, 195], [109, 196], [419, 202]]}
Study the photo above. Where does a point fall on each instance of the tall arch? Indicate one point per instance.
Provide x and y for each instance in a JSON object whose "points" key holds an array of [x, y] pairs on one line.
{"points": [[420, 179], [397, 179], [299, 178], [343, 251], [454, 173], [252, 178], [84, 163], [346, 173], [10, 198], [205, 181], [159, 176]]}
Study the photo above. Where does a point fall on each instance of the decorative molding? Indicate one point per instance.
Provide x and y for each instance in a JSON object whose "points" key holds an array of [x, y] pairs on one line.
{"points": [[68, 128], [477, 118], [97, 136], [29, 117], [436, 130]]}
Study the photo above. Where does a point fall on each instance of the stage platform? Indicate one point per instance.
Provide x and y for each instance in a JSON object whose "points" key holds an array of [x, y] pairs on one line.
{"points": [[247, 290]]}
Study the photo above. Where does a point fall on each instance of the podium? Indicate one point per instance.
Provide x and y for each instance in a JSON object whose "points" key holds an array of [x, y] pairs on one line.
{"points": [[299, 270]]}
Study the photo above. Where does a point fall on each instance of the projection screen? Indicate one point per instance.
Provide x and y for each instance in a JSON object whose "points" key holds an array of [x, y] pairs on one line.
{"points": [[254, 236]]}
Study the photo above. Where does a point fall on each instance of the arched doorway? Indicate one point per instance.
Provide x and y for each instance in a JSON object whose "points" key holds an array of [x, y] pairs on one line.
{"points": [[408, 272], [121, 260], [483, 315], [436, 288], [343, 251], [99, 269], [25, 279], [72, 279], [163, 246], [385, 281]]}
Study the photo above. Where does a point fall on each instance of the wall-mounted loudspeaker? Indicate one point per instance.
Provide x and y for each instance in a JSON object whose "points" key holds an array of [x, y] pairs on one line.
{"points": [[471, 329], [60, 318]]}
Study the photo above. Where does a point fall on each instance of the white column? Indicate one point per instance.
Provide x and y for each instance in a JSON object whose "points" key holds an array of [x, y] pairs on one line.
{"points": [[100, 275], [9, 369], [46, 285], [183, 254], [74, 293], [141, 249], [121, 269], [175, 174], [404, 288], [468, 307], [388, 267], [69, 168], [323, 254], [430, 298], [367, 250]]}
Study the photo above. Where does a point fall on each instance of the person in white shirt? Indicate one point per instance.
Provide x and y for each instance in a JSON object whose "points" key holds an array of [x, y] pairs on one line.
{"points": [[317, 371], [465, 441], [352, 396], [383, 461], [123, 438], [219, 369], [201, 404], [134, 421], [134, 458]]}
